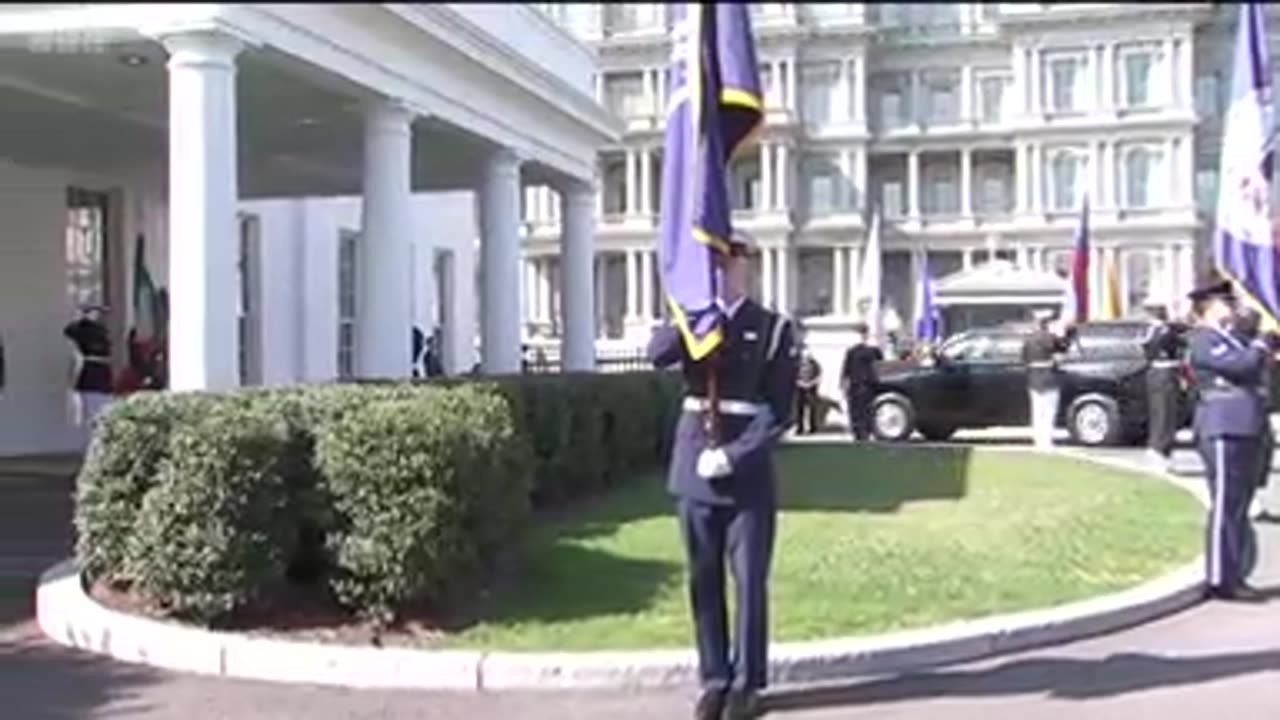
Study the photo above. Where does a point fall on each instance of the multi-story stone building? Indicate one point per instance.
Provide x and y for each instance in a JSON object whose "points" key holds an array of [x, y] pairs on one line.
{"points": [[975, 130]]}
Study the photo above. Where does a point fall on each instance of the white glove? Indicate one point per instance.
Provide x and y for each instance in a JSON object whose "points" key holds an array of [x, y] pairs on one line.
{"points": [[714, 464]]}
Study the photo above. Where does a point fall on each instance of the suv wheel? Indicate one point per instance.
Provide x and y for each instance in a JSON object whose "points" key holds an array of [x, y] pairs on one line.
{"points": [[892, 417], [1095, 421]]}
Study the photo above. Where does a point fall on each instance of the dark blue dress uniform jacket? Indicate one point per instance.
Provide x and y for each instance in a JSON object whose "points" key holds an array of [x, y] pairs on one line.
{"points": [[1229, 374], [757, 363]]}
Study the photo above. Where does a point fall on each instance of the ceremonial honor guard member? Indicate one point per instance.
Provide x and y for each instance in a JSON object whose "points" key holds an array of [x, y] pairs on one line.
{"points": [[1163, 347], [93, 382], [1230, 416], [1040, 354], [726, 495], [808, 401], [1248, 326]]}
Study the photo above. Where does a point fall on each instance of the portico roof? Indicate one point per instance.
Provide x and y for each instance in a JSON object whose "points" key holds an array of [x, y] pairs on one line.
{"points": [[998, 281], [94, 96]]}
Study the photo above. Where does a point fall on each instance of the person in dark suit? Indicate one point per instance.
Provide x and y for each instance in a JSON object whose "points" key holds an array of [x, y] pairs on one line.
{"points": [[1230, 415], [724, 486], [1163, 347], [93, 382], [858, 381], [1040, 354]]}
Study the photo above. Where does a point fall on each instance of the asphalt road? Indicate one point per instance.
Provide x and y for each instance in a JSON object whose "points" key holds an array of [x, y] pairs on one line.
{"points": [[1214, 660]]}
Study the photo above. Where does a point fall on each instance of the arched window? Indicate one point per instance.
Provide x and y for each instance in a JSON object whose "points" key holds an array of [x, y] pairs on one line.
{"points": [[1065, 171], [1137, 176]]}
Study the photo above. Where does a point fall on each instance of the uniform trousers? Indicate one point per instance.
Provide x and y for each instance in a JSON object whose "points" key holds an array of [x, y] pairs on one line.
{"points": [[1044, 410], [1162, 409], [1231, 470], [745, 534]]}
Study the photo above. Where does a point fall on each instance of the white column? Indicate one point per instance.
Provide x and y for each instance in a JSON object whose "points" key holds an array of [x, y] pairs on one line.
{"points": [[917, 283], [544, 290], [966, 93], [766, 177], [646, 181], [1109, 195], [630, 185], [1099, 171], [530, 290], [1021, 178], [1169, 273], [1186, 73], [791, 84], [602, 292], [499, 251], [858, 89], [837, 281], [966, 182], [913, 184], [646, 285], [577, 282], [1108, 76], [633, 286], [783, 269], [650, 91], [382, 310], [853, 288], [1036, 190], [767, 274], [862, 188], [1169, 67], [1173, 172], [783, 178], [966, 259], [203, 194], [1034, 103], [1020, 85]]}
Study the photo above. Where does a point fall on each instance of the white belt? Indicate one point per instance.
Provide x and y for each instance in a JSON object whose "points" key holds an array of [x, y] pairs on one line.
{"points": [[726, 407], [1048, 364], [1165, 363], [94, 358]]}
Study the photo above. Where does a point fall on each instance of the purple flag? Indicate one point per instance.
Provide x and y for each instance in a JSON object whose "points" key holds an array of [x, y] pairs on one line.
{"points": [[929, 324], [1244, 248], [714, 108]]}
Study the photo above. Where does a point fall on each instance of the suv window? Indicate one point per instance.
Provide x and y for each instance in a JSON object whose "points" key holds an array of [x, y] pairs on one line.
{"points": [[1118, 340], [984, 347]]}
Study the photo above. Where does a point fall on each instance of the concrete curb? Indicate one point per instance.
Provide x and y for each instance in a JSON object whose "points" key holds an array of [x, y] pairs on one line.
{"points": [[69, 616]]}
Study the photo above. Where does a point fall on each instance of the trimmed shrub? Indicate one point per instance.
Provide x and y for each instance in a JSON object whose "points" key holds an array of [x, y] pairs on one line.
{"points": [[385, 494], [423, 501], [121, 466], [212, 533]]}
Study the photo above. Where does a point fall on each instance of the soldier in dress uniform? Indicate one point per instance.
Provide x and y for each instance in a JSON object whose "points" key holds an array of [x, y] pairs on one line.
{"points": [[1040, 354], [1230, 416], [858, 381], [1163, 346], [725, 490], [1248, 325], [93, 381]]}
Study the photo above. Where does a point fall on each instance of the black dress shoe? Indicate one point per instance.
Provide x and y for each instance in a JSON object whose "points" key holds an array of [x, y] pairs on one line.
{"points": [[743, 705], [1246, 594], [710, 705]]}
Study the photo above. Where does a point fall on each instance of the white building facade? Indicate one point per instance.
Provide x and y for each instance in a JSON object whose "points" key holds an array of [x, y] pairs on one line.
{"points": [[975, 129], [310, 181]]}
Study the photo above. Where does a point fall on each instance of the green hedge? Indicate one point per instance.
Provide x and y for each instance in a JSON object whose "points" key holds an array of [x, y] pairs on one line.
{"points": [[383, 494]]}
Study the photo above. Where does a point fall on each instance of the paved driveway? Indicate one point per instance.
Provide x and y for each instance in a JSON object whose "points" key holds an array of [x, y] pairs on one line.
{"points": [[1216, 660]]}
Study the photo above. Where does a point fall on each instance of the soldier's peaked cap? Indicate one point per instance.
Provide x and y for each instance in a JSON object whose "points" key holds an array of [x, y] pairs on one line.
{"points": [[740, 243], [1213, 289]]}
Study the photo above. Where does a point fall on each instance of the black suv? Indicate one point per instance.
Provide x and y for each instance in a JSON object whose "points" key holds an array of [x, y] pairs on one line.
{"points": [[977, 379]]}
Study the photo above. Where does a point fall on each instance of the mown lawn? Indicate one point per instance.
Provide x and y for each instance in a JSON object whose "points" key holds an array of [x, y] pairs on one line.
{"points": [[871, 538]]}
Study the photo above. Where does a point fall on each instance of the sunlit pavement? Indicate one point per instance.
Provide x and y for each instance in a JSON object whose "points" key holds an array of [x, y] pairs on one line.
{"points": [[1216, 660]]}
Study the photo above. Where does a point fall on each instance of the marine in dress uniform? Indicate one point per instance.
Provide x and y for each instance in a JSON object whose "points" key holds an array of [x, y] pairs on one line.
{"points": [[93, 381], [858, 380], [1163, 346], [725, 492], [1039, 354], [1229, 420]]}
